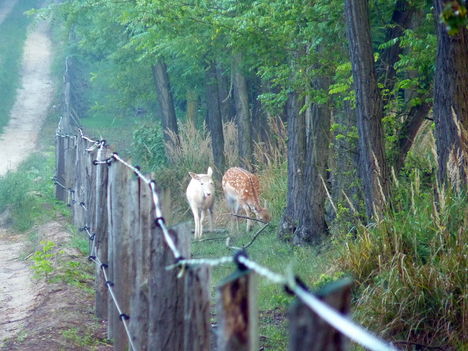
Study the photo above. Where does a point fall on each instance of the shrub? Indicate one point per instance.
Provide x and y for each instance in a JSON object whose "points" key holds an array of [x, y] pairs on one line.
{"points": [[148, 147]]}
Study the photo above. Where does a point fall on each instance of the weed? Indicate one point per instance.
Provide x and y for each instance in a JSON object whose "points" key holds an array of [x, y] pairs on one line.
{"points": [[82, 338], [44, 259], [77, 274]]}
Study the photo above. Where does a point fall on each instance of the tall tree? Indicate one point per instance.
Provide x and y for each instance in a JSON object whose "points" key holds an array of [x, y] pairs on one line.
{"points": [[166, 103], [451, 100], [214, 118], [308, 149], [369, 108], [241, 96]]}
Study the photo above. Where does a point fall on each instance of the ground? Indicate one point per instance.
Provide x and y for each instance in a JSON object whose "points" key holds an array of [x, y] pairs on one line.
{"points": [[36, 314]]}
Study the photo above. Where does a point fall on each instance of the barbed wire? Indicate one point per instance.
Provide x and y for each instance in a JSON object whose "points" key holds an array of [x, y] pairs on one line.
{"points": [[122, 316], [93, 256], [346, 326]]}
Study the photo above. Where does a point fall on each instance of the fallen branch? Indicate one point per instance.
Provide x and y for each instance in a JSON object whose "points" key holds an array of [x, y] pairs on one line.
{"points": [[249, 244], [207, 239], [252, 219]]}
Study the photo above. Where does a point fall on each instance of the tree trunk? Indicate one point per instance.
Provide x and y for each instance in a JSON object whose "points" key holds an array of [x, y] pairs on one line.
{"points": [[312, 214], [451, 103], [214, 119], [228, 111], [244, 124], [308, 148], [166, 103], [261, 131], [296, 164], [408, 133], [192, 106], [345, 188], [369, 108]]}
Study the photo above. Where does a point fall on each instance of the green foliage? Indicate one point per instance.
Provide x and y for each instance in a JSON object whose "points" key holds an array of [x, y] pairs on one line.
{"points": [[44, 260], [13, 31], [148, 147], [455, 16], [413, 258]]}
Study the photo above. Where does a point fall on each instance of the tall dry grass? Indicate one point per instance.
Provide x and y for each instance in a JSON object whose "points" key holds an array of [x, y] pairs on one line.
{"points": [[270, 158], [410, 267], [190, 151]]}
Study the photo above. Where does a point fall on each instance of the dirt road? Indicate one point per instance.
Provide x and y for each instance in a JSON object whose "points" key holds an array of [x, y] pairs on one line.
{"points": [[18, 291]]}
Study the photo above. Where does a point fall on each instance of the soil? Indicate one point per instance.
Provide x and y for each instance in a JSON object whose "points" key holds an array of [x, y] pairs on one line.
{"points": [[36, 314]]}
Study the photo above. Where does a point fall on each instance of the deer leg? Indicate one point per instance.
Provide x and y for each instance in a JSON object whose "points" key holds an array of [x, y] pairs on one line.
{"points": [[246, 209], [210, 218], [195, 219]]}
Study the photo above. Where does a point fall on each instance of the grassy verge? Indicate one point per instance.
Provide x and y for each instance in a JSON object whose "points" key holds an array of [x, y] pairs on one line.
{"points": [[28, 193], [12, 36]]}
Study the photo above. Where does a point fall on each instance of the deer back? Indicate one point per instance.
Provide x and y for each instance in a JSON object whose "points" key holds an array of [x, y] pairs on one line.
{"points": [[243, 185]]}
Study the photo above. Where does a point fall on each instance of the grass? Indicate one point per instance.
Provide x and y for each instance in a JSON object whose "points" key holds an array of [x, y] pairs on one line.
{"points": [[12, 36], [28, 193]]}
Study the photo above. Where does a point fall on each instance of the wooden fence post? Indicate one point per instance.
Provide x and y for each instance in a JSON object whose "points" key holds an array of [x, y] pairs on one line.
{"points": [[100, 227], [90, 187], [69, 166], [60, 192], [139, 322], [166, 290], [237, 313], [80, 194], [307, 331], [122, 221], [197, 326]]}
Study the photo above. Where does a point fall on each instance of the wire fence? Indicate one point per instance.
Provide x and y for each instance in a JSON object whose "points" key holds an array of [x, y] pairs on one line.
{"points": [[84, 182]]}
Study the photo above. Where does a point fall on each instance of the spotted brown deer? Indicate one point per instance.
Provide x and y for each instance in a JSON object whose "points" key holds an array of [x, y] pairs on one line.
{"points": [[200, 196], [242, 190]]}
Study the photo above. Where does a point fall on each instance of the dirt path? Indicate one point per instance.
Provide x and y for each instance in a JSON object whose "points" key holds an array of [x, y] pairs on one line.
{"points": [[18, 291], [32, 101]]}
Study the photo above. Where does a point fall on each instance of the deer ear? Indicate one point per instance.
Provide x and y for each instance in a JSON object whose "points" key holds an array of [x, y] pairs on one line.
{"points": [[193, 175], [210, 171]]}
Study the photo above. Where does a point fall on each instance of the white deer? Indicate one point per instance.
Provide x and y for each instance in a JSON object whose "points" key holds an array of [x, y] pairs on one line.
{"points": [[242, 190], [200, 196]]}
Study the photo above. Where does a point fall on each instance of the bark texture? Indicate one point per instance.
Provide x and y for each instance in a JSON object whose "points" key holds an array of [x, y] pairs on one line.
{"points": [[244, 124], [369, 108], [166, 103], [451, 103], [308, 149], [214, 120]]}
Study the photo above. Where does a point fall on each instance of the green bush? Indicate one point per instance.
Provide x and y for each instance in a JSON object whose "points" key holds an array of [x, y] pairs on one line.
{"points": [[148, 147]]}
